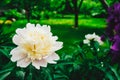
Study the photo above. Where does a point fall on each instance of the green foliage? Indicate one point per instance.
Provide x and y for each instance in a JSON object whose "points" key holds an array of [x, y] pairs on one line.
{"points": [[5, 66], [4, 3], [111, 2], [91, 7], [13, 13], [36, 15], [58, 6]]}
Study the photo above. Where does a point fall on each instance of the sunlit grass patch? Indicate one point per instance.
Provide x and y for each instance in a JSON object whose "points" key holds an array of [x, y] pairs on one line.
{"points": [[89, 22]]}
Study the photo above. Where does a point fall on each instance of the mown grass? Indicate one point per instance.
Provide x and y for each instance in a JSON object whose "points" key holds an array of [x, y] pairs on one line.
{"points": [[88, 22]]}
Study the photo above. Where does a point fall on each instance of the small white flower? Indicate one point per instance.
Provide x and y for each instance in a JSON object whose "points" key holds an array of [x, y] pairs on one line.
{"points": [[86, 42], [13, 19], [90, 37], [23, 11], [102, 64], [36, 45]]}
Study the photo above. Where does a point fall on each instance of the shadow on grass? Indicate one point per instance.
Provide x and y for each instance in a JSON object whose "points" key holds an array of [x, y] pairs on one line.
{"points": [[66, 33], [71, 36]]}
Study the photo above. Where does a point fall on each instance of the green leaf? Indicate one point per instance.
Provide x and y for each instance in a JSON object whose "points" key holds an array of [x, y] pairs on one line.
{"points": [[20, 75], [109, 75], [5, 51], [29, 77], [4, 75], [60, 77], [6, 70], [48, 74], [115, 72]]}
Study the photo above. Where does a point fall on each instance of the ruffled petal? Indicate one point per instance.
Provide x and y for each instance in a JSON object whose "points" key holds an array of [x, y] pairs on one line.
{"points": [[52, 57], [46, 28], [55, 38], [17, 39], [15, 50], [38, 25], [38, 63], [29, 25], [24, 62], [20, 32], [86, 41], [57, 46], [17, 54]]}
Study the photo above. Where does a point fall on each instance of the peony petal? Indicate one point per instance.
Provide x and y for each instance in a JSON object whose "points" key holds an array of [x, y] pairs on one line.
{"points": [[52, 62], [16, 39], [57, 46], [43, 63], [38, 63], [46, 28], [15, 50], [38, 25], [17, 54], [18, 50], [55, 38], [52, 57], [90, 36], [29, 25], [17, 57], [24, 62], [21, 32], [55, 56], [86, 41]]}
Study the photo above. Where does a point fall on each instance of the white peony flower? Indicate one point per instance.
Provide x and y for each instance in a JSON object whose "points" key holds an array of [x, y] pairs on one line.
{"points": [[36, 45], [90, 37]]}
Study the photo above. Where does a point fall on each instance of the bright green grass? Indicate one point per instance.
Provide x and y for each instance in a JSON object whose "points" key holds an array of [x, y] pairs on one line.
{"points": [[88, 22]]}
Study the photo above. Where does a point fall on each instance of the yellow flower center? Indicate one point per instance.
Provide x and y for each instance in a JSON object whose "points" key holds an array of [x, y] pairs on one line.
{"points": [[37, 47]]}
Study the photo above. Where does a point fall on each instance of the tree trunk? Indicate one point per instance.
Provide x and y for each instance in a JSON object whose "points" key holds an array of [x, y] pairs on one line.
{"points": [[105, 5], [28, 11], [28, 15], [76, 14], [76, 19], [76, 8]]}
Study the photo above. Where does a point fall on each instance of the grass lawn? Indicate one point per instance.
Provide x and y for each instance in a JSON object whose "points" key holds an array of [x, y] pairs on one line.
{"points": [[63, 29]]}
